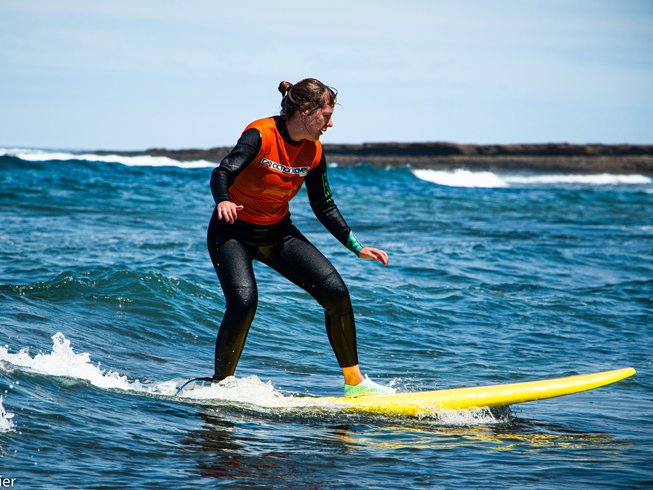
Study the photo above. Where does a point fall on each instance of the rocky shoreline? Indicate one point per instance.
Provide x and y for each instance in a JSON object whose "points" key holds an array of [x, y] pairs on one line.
{"points": [[540, 158]]}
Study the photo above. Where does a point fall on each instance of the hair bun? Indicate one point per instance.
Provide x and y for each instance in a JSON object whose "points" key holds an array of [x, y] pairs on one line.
{"points": [[284, 88], [306, 96]]}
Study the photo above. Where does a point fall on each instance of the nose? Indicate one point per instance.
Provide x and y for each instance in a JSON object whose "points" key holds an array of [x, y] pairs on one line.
{"points": [[330, 123]]}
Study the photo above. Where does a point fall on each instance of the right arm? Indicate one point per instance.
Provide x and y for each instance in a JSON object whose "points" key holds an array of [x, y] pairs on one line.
{"points": [[321, 199], [230, 167]]}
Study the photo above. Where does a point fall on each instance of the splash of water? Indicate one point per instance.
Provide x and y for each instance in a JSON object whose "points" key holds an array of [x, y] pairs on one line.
{"points": [[6, 422], [63, 361]]}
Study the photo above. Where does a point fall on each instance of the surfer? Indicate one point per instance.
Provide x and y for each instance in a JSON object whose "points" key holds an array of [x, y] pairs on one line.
{"points": [[252, 187]]}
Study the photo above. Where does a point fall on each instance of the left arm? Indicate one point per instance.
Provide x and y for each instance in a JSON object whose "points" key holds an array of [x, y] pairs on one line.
{"points": [[321, 200]]}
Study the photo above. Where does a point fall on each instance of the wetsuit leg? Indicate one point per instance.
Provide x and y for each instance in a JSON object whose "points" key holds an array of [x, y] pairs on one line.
{"points": [[303, 264], [233, 264]]}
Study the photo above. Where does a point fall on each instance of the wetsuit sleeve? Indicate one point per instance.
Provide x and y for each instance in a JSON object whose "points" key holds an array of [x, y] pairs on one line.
{"points": [[235, 162], [321, 199]]}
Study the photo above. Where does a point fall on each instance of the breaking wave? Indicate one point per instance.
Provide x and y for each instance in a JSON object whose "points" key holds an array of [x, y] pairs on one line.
{"points": [[64, 362], [32, 155], [467, 178]]}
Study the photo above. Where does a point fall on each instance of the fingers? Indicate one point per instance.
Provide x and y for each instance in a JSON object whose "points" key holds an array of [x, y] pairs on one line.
{"points": [[374, 253], [228, 211], [381, 256]]}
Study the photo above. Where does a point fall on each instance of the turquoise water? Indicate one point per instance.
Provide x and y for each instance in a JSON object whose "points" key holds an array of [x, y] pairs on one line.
{"points": [[108, 298]]}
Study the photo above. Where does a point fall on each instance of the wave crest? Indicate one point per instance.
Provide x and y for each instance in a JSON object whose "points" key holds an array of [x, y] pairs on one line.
{"points": [[32, 155], [122, 286], [467, 178]]}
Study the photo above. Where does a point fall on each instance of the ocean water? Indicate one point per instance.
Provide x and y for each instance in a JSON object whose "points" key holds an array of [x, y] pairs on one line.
{"points": [[108, 298]]}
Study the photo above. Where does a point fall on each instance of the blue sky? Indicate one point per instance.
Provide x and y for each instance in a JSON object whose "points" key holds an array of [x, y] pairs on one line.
{"points": [[83, 74]]}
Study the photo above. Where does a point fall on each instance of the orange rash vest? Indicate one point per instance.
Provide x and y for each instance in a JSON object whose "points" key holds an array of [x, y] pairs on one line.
{"points": [[265, 187]]}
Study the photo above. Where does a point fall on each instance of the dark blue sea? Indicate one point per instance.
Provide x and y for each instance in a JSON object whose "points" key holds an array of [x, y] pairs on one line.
{"points": [[108, 299]]}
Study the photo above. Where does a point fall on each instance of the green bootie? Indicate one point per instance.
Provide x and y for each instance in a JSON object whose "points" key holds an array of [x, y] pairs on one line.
{"points": [[367, 387]]}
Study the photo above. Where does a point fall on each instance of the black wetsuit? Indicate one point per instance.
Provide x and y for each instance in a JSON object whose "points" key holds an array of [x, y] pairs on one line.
{"points": [[282, 247]]}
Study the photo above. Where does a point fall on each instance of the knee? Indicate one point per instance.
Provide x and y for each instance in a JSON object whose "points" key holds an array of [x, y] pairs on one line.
{"points": [[337, 296], [242, 301]]}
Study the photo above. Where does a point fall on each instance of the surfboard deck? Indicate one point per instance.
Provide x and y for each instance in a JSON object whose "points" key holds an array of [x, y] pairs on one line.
{"points": [[422, 402]]}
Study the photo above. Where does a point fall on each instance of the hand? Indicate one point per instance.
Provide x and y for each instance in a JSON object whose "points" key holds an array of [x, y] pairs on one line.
{"points": [[228, 211], [374, 253]]}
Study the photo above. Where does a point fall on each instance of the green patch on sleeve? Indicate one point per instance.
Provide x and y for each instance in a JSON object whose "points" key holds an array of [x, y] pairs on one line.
{"points": [[353, 244], [326, 188]]}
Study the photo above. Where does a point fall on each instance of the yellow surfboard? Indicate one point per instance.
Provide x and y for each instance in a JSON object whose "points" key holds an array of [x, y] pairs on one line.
{"points": [[423, 402]]}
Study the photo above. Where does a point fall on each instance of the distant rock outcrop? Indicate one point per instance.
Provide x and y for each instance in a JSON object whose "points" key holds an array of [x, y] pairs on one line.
{"points": [[550, 157]]}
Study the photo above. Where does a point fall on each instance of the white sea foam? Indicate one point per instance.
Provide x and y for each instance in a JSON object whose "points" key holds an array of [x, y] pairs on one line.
{"points": [[592, 179], [466, 178], [132, 161], [6, 422], [64, 362], [464, 418], [461, 178], [250, 390]]}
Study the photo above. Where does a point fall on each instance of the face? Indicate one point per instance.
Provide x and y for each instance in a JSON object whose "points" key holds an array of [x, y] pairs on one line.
{"points": [[317, 122]]}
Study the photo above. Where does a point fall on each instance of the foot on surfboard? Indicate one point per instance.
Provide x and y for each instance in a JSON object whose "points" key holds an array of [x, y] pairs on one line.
{"points": [[367, 387]]}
